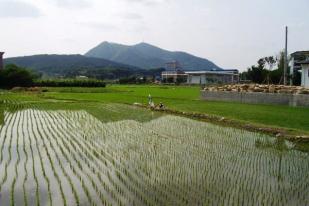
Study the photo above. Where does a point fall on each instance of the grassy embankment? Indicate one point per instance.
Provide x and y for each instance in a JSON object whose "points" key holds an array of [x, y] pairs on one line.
{"points": [[294, 120], [187, 99]]}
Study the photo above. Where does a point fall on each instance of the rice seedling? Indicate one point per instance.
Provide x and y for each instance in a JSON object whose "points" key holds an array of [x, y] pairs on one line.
{"points": [[166, 161]]}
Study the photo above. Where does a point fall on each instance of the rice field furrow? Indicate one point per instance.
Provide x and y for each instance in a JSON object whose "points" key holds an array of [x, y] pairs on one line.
{"points": [[5, 186], [14, 200], [26, 162], [65, 156], [92, 158], [55, 173], [111, 159], [34, 199], [6, 133], [137, 171], [36, 134], [72, 151]]}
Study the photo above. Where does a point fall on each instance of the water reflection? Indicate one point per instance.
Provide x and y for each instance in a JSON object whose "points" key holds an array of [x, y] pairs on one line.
{"points": [[166, 160]]}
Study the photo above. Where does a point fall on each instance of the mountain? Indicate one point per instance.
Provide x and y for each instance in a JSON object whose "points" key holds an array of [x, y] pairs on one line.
{"points": [[74, 65], [147, 56]]}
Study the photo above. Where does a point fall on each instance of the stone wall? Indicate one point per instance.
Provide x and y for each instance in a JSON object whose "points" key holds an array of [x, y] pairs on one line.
{"points": [[257, 97], [259, 88]]}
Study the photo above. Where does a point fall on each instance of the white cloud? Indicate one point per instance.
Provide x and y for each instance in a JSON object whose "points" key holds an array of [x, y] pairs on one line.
{"points": [[73, 4], [132, 16], [99, 26], [147, 2], [18, 9]]}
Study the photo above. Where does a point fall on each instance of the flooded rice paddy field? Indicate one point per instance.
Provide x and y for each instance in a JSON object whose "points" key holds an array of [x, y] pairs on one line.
{"points": [[71, 157]]}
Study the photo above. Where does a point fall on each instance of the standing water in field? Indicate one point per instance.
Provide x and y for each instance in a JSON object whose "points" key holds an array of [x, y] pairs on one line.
{"points": [[72, 158]]}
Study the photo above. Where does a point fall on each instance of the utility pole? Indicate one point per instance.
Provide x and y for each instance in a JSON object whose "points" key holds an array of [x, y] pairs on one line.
{"points": [[285, 57], [1, 60]]}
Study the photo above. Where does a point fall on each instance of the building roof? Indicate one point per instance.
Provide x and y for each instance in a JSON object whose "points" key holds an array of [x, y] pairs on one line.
{"points": [[209, 72], [298, 53], [304, 62]]}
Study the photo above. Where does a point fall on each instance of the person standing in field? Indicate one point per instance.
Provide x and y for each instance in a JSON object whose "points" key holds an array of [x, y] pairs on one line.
{"points": [[149, 99], [150, 102]]}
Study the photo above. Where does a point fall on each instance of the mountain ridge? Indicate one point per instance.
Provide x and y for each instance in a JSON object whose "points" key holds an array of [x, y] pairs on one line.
{"points": [[146, 56], [76, 64]]}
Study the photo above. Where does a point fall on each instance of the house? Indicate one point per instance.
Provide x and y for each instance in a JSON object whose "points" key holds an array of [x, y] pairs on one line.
{"points": [[173, 73], [295, 63], [81, 77], [305, 73], [213, 77], [177, 76]]}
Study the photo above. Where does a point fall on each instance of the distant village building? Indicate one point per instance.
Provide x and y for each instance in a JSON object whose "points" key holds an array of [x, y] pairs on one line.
{"points": [[213, 77], [305, 73], [175, 74], [1, 60], [81, 77], [173, 66], [299, 63]]}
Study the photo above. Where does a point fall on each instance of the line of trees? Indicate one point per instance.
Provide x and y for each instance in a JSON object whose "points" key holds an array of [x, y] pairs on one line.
{"points": [[14, 76], [269, 70], [69, 83]]}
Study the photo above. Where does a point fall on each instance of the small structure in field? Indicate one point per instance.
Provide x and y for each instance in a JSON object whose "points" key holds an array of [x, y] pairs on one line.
{"points": [[298, 62], [81, 77], [175, 74], [1, 60], [305, 73], [213, 77]]}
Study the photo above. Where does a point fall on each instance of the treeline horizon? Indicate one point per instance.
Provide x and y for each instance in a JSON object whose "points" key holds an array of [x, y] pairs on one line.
{"points": [[269, 70], [13, 76]]}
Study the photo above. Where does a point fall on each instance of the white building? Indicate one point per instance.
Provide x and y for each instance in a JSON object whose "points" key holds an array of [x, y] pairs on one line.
{"points": [[305, 74], [295, 63], [212, 77]]}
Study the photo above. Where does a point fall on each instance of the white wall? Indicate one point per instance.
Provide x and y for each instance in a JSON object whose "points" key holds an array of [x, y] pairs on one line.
{"points": [[305, 75], [196, 79]]}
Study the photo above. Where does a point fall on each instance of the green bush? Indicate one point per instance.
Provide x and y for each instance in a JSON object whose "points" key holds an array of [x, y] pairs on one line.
{"points": [[14, 76], [69, 83]]}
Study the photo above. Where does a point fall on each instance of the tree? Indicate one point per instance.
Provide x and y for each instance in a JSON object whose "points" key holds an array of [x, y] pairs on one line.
{"points": [[263, 72], [277, 74], [13, 76], [257, 73]]}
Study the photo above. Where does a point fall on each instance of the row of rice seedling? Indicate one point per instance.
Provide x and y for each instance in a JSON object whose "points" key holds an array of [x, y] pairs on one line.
{"points": [[36, 133], [58, 146], [18, 135], [167, 161], [37, 196], [243, 144], [96, 155], [92, 157], [26, 161], [5, 182], [77, 155], [59, 174]]}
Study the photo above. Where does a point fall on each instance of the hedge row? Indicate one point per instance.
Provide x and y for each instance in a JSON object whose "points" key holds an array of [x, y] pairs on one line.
{"points": [[70, 83]]}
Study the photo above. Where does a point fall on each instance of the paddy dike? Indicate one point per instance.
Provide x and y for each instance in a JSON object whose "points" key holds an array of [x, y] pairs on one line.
{"points": [[292, 135]]}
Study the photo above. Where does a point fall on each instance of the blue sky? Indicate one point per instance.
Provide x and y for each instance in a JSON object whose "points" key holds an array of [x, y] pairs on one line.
{"points": [[231, 33]]}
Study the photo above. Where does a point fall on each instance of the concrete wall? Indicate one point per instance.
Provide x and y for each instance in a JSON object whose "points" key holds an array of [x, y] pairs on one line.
{"points": [[258, 98], [305, 76]]}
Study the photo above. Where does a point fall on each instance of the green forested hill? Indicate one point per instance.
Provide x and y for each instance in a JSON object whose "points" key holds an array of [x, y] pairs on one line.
{"points": [[147, 56], [74, 65]]}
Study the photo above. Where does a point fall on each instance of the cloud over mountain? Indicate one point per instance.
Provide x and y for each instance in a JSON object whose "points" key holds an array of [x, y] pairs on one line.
{"points": [[18, 9]]}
